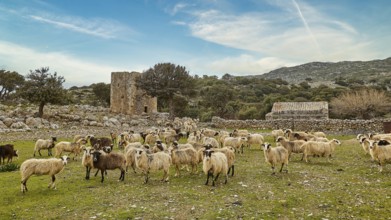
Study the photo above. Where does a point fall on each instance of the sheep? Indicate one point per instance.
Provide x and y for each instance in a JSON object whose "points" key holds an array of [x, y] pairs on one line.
{"points": [[214, 164], [319, 134], [135, 137], [256, 139], [45, 144], [239, 133], [151, 138], [229, 152], [86, 161], [302, 136], [100, 143], [78, 137], [113, 136], [381, 151], [291, 135], [132, 145], [7, 151], [236, 142], [173, 137], [65, 146], [291, 146], [277, 133], [319, 139], [159, 146], [155, 161], [324, 149], [209, 132], [111, 161], [130, 156], [51, 166], [184, 156], [378, 137], [212, 141], [276, 155]]}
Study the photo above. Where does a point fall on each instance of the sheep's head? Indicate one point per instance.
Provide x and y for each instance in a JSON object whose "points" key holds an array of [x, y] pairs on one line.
{"points": [[208, 146], [372, 144], [362, 139], [208, 154], [337, 141], [383, 142], [266, 146], [54, 139], [279, 138], [16, 154], [64, 159], [287, 131], [96, 156], [359, 136]]}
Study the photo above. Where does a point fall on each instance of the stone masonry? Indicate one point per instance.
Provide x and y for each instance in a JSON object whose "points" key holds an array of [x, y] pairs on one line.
{"points": [[126, 98]]}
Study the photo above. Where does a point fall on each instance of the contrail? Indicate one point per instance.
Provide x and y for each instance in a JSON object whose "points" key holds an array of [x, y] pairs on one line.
{"points": [[308, 28]]}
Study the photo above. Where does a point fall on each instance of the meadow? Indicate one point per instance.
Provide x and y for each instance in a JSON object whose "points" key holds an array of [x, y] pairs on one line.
{"points": [[349, 187]]}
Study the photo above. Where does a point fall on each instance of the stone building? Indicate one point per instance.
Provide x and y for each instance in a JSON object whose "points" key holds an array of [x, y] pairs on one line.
{"points": [[126, 98], [299, 110]]}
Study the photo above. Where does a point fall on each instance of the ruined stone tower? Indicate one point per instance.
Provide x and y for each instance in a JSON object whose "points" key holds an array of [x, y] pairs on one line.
{"points": [[126, 98]]}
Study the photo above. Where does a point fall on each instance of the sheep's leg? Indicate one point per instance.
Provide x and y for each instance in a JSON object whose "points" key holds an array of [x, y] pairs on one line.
{"points": [[146, 177], [134, 168], [52, 184], [302, 157], [88, 170], [165, 176], [39, 151], [33, 154], [215, 179], [97, 171], [24, 185], [207, 177], [103, 176], [232, 169], [380, 166], [49, 152], [282, 165], [274, 172], [122, 176], [177, 170], [226, 179]]}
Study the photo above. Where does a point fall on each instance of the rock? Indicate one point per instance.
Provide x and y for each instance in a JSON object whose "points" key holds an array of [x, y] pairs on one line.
{"points": [[19, 125], [33, 122], [2, 125], [8, 122]]}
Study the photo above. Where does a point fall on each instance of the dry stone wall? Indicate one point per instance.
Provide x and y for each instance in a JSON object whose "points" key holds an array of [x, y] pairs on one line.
{"points": [[333, 126]]}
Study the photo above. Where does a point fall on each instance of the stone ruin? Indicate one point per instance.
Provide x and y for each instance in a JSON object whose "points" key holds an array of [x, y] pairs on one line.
{"points": [[299, 110], [126, 98]]}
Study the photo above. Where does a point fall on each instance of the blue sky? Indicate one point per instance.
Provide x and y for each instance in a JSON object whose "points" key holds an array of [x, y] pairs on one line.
{"points": [[86, 40]]}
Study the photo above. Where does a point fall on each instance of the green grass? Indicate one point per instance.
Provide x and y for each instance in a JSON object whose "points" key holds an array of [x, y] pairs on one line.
{"points": [[350, 187]]}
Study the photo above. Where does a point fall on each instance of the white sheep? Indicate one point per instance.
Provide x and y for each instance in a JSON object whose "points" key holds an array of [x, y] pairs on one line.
{"points": [[184, 156], [214, 164], [275, 155], [277, 133], [381, 151], [151, 138], [236, 142], [155, 161], [48, 144], [86, 161], [212, 141], [209, 132], [240, 133], [256, 139], [230, 154], [71, 147], [323, 149], [320, 134], [291, 146], [51, 166]]}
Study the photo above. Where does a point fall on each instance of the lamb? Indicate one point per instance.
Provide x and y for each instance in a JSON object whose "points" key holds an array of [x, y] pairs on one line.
{"points": [[65, 146], [291, 146], [324, 149], [184, 156], [155, 161], [111, 161], [7, 151], [276, 155], [51, 166], [45, 144], [214, 164], [236, 142], [381, 151]]}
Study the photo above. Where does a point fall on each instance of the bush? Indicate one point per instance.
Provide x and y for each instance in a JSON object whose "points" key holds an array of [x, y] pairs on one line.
{"points": [[8, 167]]}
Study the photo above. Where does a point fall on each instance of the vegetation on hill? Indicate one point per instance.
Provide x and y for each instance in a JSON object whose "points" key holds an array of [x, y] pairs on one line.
{"points": [[248, 97]]}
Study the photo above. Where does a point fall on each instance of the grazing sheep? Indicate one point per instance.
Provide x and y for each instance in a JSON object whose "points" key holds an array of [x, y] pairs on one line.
{"points": [[275, 155], [45, 144], [236, 142], [65, 146], [184, 156], [38, 167], [323, 149], [7, 151], [214, 164], [212, 141], [277, 133], [156, 161], [256, 139], [381, 151], [111, 161], [291, 146]]}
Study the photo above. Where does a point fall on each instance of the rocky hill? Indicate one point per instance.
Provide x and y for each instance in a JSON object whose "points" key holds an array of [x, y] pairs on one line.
{"points": [[367, 71]]}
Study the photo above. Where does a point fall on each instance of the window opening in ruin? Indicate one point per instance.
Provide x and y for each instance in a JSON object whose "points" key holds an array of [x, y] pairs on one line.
{"points": [[145, 109]]}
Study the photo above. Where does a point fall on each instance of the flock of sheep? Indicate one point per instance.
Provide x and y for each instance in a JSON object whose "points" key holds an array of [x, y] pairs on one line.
{"points": [[158, 149]]}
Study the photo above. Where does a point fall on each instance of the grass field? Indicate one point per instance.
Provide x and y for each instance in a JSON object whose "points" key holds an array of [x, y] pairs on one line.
{"points": [[350, 187]]}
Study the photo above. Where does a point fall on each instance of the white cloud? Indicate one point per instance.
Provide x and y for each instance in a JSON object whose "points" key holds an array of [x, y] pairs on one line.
{"points": [[75, 71]]}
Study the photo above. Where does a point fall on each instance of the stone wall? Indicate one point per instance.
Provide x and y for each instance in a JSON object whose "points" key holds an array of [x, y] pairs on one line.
{"points": [[126, 98], [335, 126]]}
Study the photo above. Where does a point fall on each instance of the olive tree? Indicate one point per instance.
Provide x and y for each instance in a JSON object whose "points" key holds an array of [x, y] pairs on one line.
{"points": [[164, 81], [42, 87], [9, 82]]}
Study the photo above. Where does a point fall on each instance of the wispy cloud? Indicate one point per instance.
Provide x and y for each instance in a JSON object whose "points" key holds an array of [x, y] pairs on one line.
{"points": [[75, 71]]}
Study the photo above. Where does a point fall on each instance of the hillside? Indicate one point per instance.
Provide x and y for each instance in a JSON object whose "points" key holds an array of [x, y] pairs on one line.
{"points": [[367, 71]]}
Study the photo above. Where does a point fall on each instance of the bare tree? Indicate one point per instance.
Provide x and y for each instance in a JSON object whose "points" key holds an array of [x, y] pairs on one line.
{"points": [[361, 104]]}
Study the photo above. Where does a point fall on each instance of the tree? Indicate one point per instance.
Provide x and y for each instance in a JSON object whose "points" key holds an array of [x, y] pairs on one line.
{"points": [[9, 82], [102, 92], [164, 81], [43, 87], [362, 104], [216, 98]]}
